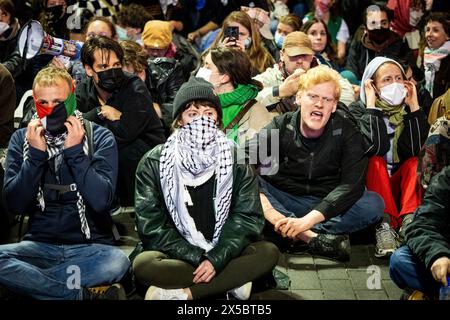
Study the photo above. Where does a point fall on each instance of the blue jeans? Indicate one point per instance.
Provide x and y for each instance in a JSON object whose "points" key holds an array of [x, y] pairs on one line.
{"points": [[407, 271], [366, 211], [49, 271]]}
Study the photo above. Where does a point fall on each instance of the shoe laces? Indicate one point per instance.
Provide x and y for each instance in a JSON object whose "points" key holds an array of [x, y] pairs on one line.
{"points": [[99, 289], [386, 236]]}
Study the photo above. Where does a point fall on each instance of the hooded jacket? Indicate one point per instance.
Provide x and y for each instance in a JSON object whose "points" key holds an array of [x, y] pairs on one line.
{"points": [[95, 178]]}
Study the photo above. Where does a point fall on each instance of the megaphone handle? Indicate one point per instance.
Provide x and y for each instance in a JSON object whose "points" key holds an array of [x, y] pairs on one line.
{"points": [[25, 49]]}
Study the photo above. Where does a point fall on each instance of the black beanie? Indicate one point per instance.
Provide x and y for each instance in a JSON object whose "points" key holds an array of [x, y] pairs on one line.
{"points": [[195, 89]]}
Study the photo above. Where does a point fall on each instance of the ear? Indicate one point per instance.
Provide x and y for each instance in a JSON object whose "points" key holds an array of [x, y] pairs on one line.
{"points": [[298, 97], [89, 70], [226, 78]]}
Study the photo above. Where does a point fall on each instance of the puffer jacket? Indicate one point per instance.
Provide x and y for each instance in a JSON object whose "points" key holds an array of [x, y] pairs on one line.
{"points": [[164, 78], [158, 232], [428, 235]]}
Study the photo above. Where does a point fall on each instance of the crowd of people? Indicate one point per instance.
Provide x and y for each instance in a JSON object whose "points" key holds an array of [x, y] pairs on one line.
{"points": [[234, 130]]}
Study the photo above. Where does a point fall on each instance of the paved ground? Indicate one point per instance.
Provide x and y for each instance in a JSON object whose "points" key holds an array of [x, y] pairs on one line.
{"points": [[312, 278]]}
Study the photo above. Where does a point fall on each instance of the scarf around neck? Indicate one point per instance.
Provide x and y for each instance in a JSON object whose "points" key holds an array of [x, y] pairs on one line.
{"points": [[55, 148], [233, 102], [190, 157], [432, 63], [395, 115]]}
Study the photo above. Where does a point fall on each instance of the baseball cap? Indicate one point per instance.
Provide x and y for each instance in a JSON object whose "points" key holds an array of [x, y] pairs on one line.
{"points": [[297, 43]]}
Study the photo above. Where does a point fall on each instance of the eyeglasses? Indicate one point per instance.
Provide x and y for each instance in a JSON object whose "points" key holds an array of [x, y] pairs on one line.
{"points": [[315, 99]]}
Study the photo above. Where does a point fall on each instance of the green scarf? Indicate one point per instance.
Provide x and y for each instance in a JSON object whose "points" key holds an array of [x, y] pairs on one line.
{"points": [[395, 115], [232, 102]]}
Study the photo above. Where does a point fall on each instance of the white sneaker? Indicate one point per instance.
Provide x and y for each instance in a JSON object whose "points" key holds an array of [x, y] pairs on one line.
{"points": [[155, 293], [243, 292]]}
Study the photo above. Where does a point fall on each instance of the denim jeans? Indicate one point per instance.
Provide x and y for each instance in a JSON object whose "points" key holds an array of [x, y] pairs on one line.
{"points": [[366, 211], [407, 271], [49, 271]]}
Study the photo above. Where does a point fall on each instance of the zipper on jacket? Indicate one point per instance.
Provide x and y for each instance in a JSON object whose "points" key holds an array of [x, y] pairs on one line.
{"points": [[310, 172]]}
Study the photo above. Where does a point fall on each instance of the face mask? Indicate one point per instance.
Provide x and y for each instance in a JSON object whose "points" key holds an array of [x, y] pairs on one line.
{"points": [[414, 17], [279, 40], [121, 33], [204, 73], [55, 13], [247, 43], [378, 35], [3, 27], [111, 80], [53, 119], [393, 94]]}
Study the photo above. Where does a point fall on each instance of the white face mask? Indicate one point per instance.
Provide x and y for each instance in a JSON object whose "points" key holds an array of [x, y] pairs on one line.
{"points": [[279, 39], [3, 27], [414, 17], [247, 43], [393, 94], [204, 73]]}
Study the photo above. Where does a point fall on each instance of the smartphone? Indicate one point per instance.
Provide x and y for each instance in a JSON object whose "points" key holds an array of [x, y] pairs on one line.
{"points": [[232, 33]]}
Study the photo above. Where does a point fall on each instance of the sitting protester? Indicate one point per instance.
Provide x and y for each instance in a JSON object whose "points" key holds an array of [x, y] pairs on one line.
{"points": [[424, 262], [61, 171], [229, 71], [198, 212], [312, 181], [390, 117], [120, 102]]}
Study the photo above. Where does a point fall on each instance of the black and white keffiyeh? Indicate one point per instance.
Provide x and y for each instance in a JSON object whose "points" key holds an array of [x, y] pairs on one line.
{"points": [[55, 148], [190, 157]]}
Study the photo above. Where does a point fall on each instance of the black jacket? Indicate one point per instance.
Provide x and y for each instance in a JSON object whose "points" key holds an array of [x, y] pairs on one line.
{"points": [[158, 232], [374, 128], [334, 169], [428, 235], [8, 44], [164, 78], [359, 56], [442, 78], [95, 177], [139, 119]]}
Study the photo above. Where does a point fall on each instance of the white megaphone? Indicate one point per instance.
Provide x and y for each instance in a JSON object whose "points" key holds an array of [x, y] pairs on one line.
{"points": [[33, 40]]}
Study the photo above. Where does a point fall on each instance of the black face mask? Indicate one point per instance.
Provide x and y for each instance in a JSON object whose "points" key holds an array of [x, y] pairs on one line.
{"points": [[54, 13], [111, 80], [55, 120], [378, 35]]}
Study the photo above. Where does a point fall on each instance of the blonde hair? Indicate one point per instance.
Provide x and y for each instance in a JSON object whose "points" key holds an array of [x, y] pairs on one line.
{"points": [[318, 75], [49, 77]]}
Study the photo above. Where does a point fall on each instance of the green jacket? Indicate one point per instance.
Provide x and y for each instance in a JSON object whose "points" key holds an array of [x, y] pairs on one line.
{"points": [[428, 235], [158, 232]]}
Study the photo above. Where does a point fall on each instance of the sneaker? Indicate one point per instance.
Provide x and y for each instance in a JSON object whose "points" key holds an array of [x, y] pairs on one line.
{"points": [[155, 293], [414, 295], [332, 246], [407, 219], [115, 211], [243, 292], [110, 292], [387, 240]]}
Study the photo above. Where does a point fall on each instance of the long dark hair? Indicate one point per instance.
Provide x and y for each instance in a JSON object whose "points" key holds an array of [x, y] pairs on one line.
{"points": [[235, 64]]}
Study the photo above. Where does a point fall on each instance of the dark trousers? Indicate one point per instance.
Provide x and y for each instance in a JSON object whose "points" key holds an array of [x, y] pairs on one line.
{"points": [[154, 268]]}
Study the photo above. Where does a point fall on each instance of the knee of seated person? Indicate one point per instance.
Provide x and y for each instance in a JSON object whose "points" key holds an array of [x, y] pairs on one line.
{"points": [[397, 261], [411, 164], [377, 161], [271, 253], [375, 209], [143, 264]]}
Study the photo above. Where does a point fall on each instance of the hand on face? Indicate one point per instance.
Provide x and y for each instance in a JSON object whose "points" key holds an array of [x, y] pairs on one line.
{"points": [[369, 89], [35, 135], [75, 132], [411, 97]]}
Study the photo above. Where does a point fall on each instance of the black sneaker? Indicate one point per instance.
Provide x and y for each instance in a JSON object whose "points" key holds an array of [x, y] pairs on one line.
{"points": [[331, 246], [112, 292]]}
